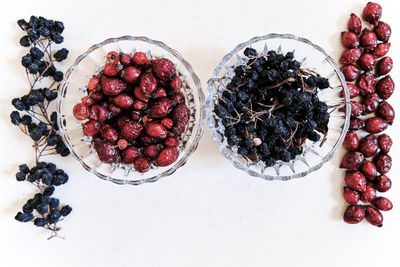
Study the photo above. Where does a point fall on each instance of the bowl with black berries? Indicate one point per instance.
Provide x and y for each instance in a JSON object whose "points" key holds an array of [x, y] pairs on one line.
{"points": [[277, 107], [131, 110]]}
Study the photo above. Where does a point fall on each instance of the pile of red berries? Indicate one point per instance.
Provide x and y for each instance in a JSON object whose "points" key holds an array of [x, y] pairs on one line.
{"points": [[135, 110], [367, 161]]}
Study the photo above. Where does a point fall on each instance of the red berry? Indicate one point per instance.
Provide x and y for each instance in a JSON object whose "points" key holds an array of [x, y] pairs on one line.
{"points": [[160, 92], [141, 164], [356, 124], [98, 113], [81, 111], [375, 125], [383, 163], [384, 66], [383, 31], [87, 100], [171, 142], [167, 156], [352, 160], [111, 70], [122, 143], [123, 101], [131, 75], [151, 151], [163, 68], [168, 123], [373, 216], [112, 57], [91, 128], [382, 203], [94, 82], [350, 40], [366, 83], [113, 109], [138, 93], [109, 133], [178, 98], [124, 59], [351, 141], [369, 146], [381, 50], [350, 72], [131, 130], [121, 121], [356, 180], [369, 194], [140, 59], [368, 40], [178, 129], [351, 196], [350, 56], [176, 83], [354, 214], [148, 83], [354, 24], [371, 103], [383, 183], [353, 90], [129, 154], [372, 12], [112, 86], [97, 96], [156, 130], [367, 62], [356, 109], [138, 105], [106, 151], [369, 170], [181, 114], [386, 112], [385, 87], [384, 143], [161, 108]]}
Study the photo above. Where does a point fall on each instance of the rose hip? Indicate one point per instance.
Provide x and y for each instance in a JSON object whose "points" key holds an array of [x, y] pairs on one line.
{"points": [[383, 183], [351, 196], [156, 130], [129, 154], [356, 180], [141, 164], [371, 103], [366, 83], [350, 40], [123, 101], [148, 83], [384, 143], [112, 86], [112, 57], [98, 113], [124, 59], [383, 31], [131, 130], [106, 151], [113, 109], [372, 12], [373, 216], [167, 123], [381, 50], [111, 70], [368, 40], [354, 25], [351, 141], [138, 105], [167, 156], [369, 170], [171, 142], [161, 108], [122, 143], [369, 194], [353, 90], [384, 66], [160, 92], [369, 145], [121, 121], [356, 124], [109, 133], [385, 87], [176, 83], [140, 59], [382, 203], [94, 82], [383, 163], [97, 96], [375, 125], [352, 160], [350, 56], [356, 109], [138, 93], [354, 214], [88, 101], [81, 111], [350, 72], [151, 151], [178, 98], [91, 128], [367, 62], [180, 114], [163, 68], [131, 75], [386, 112]]}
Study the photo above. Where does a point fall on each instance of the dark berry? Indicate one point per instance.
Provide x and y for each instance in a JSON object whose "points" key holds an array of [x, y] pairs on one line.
{"points": [[61, 54], [65, 210], [25, 41]]}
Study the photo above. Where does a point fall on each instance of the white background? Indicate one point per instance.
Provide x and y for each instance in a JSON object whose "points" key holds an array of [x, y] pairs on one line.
{"points": [[207, 213]]}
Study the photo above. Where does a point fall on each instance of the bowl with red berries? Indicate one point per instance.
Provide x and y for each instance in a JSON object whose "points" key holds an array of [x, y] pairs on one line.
{"points": [[131, 110]]}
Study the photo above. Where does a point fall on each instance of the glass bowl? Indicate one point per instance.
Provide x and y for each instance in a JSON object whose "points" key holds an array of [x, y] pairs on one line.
{"points": [[310, 56], [73, 88]]}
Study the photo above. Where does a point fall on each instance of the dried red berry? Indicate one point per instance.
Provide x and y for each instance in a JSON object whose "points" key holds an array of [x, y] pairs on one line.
{"points": [[386, 112], [371, 103], [366, 83], [97, 96], [113, 109], [148, 83], [369, 146], [151, 151], [356, 124], [351, 141], [109, 133], [384, 143], [171, 142], [350, 40], [88, 101], [351, 196], [111, 70], [129, 154], [106, 151], [161, 108], [354, 214], [140, 59], [112, 57], [356, 109], [367, 62], [125, 59], [156, 130], [98, 113], [372, 12], [383, 31], [381, 50], [353, 90], [163, 68], [369, 170], [141, 164], [356, 180], [131, 130], [123, 101], [375, 125], [121, 121], [178, 98], [373, 216], [383, 163], [122, 143], [176, 83], [384, 66], [354, 24], [350, 72], [167, 156], [91, 128], [138, 105], [181, 114], [385, 87], [81, 111], [350, 56], [383, 183], [168, 123], [131, 75], [160, 92], [112, 86], [382, 203], [138, 93], [369, 194], [368, 40], [94, 82]]}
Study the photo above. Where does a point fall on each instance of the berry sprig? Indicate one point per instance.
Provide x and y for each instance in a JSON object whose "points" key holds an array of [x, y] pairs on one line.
{"points": [[33, 117], [367, 161]]}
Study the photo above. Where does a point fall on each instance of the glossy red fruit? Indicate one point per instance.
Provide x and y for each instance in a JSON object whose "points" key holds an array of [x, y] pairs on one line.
{"points": [[129, 154], [109, 133], [168, 123], [350, 56], [91, 128], [163, 68], [97, 96], [114, 110], [366, 83], [382, 203], [371, 103], [112, 86], [140, 59], [383, 31], [88, 101], [138, 93], [122, 120], [381, 50], [368, 168], [350, 72], [111, 70], [161, 108], [176, 83], [105, 151], [385, 143], [351, 141], [171, 142], [112, 57], [367, 62], [350, 40], [368, 40], [356, 124], [131, 130], [124, 59], [384, 66], [131, 74], [156, 130], [375, 125], [178, 98], [138, 105], [141, 164], [373, 216], [383, 163], [353, 90], [151, 151], [81, 111], [354, 214], [356, 180], [354, 24], [351, 196], [181, 114], [369, 194], [369, 146], [356, 109], [167, 156], [372, 13], [386, 112], [352, 160], [148, 83], [98, 113], [383, 183], [385, 87], [160, 92], [123, 101], [122, 143], [93, 84]]}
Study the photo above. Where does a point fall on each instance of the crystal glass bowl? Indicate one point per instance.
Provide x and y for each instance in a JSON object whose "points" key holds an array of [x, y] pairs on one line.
{"points": [[73, 88], [311, 57]]}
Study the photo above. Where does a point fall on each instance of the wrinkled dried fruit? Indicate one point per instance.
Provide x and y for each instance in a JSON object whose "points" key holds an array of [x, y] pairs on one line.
{"points": [[123, 101], [81, 111], [382, 203], [148, 83], [141, 164], [383, 183], [163, 68], [383, 163], [140, 59], [160, 92], [350, 72], [129, 154], [111, 70], [356, 109], [366, 83], [367, 62], [369, 194], [354, 214], [106, 151], [171, 142], [356, 124], [138, 93], [122, 143], [371, 103], [350, 56], [375, 125], [109, 133], [181, 114], [384, 66], [373, 216], [98, 113], [372, 13], [167, 156], [151, 151], [383, 31], [112, 57], [350, 195], [131, 74], [384, 143], [161, 108], [353, 90], [94, 82], [176, 83], [138, 105], [351, 141], [112, 86], [125, 59], [156, 130], [354, 24], [91, 128], [131, 130], [368, 168], [352, 160], [386, 112], [350, 40], [385, 87], [114, 110], [381, 50], [356, 180], [368, 40], [369, 145]]}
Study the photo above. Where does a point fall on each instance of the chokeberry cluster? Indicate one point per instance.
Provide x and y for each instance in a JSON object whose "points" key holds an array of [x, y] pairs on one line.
{"points": [[34, 118], [271, 106]]}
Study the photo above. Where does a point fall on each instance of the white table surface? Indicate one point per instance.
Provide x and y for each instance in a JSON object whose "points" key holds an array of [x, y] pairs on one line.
{"points": [[208, 213]]}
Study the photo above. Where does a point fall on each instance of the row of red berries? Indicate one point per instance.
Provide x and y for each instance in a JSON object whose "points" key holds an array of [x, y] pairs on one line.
{"points": [[136, 111], [365, 62]]}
